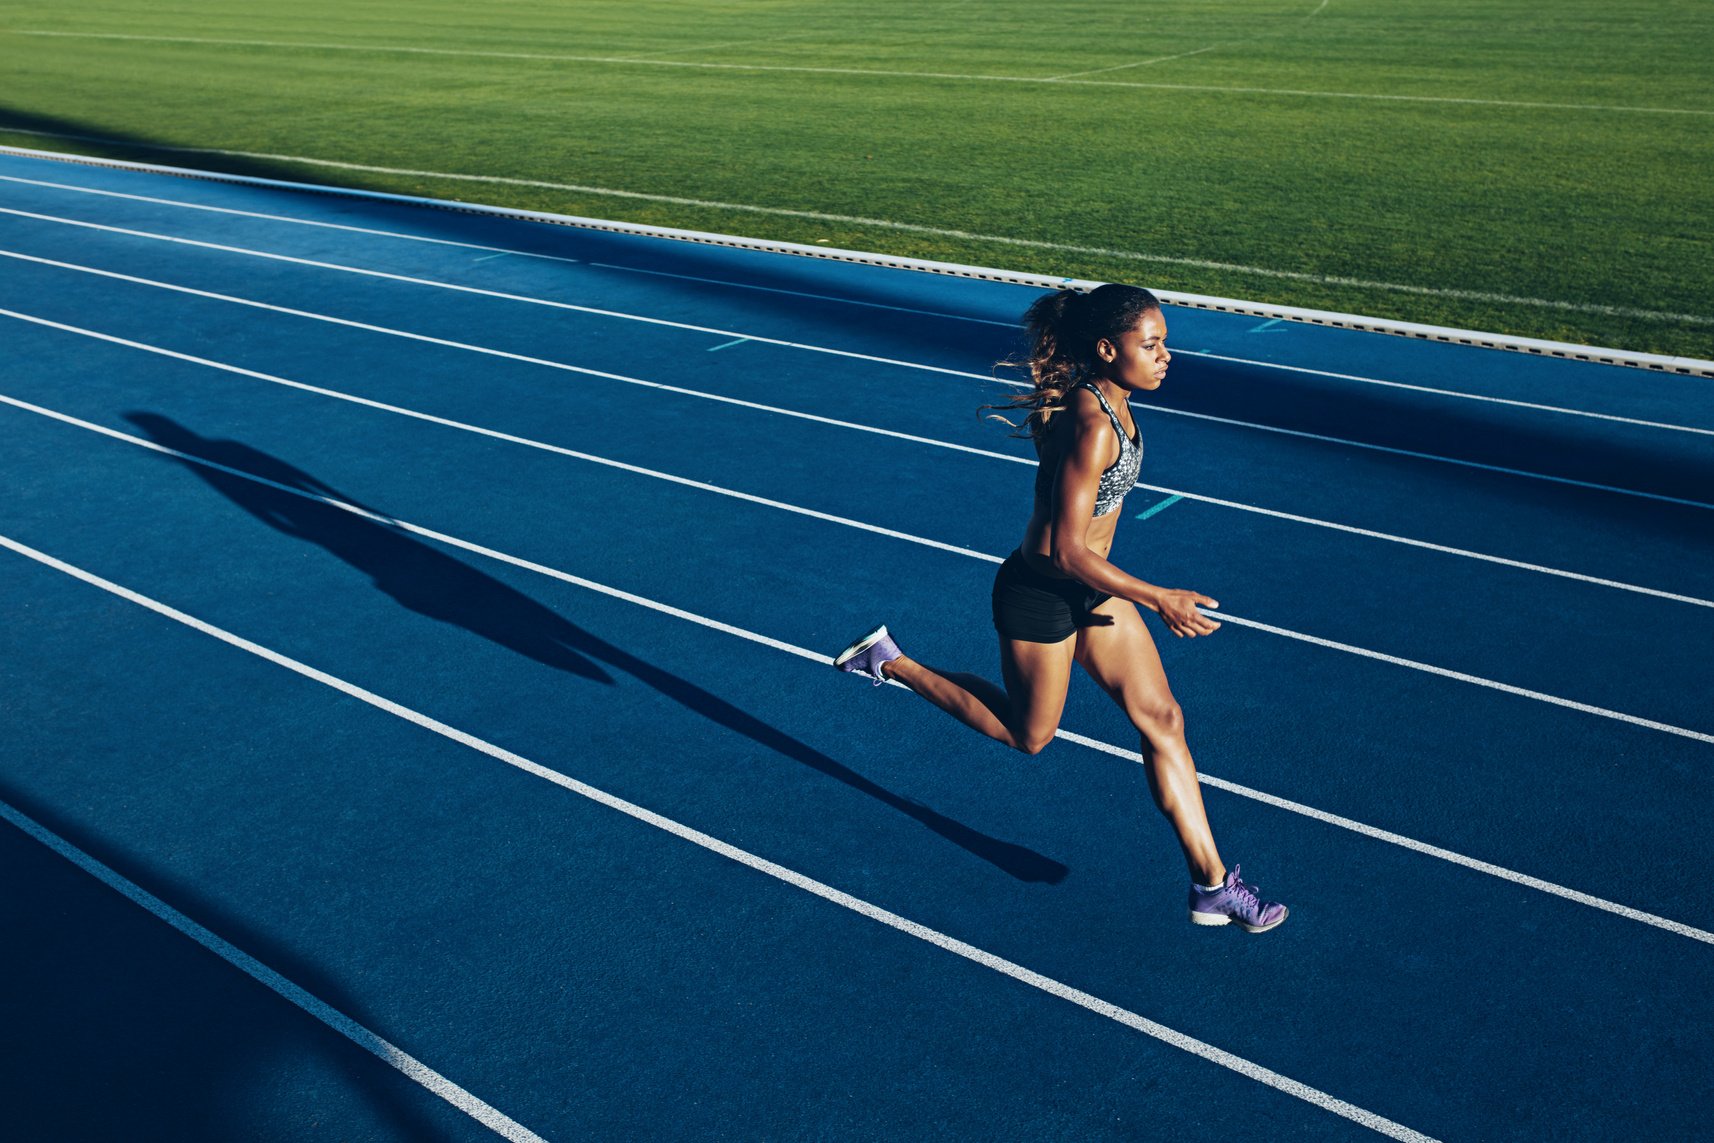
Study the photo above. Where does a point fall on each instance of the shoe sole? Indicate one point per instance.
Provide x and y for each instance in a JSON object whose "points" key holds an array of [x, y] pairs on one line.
{"points": [[861, 646], [1222, 919]]}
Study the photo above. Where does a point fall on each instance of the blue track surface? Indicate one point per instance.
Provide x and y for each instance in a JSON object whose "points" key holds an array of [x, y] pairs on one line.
{"points": [[1460, 719]]}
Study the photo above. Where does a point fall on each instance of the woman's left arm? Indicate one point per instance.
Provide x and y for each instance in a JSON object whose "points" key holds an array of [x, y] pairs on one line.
{"points": [[1074, 507]]}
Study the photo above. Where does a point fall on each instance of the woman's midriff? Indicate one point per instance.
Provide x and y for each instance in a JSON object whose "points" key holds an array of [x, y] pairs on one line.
{"points": [[1037, 547]]}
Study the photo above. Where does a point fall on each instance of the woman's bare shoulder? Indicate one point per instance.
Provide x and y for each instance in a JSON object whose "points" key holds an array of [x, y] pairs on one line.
{"points": [[1081, 399], [1088, 420]]}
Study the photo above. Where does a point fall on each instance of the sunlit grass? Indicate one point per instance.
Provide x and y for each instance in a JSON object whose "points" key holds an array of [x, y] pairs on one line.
{"points": [[1577, 183]]}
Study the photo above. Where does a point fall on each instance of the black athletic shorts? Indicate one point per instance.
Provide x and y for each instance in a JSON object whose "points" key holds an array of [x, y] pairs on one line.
{"points": [[1040, 608]]}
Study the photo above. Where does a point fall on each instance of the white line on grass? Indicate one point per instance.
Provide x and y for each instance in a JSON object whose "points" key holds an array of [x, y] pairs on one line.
{"points": [[1372, 832], [890, 74], [1183, 55], [1052, 987], [636, 470], [375, 1045], [1137, 63], [655, 54], [915, 228], [855, 426], [845, 353], [1012, 324]]}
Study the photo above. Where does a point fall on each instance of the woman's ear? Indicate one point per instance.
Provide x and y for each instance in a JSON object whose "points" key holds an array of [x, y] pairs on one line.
{"points": [[1106, 350]]}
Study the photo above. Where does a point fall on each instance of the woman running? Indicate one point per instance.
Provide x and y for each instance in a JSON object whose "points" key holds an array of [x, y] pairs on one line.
{"points": [[1057, 600]]}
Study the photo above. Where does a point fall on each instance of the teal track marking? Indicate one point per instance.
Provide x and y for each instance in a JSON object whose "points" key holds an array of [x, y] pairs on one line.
{"points": [[1161, 507], [728, 344]]}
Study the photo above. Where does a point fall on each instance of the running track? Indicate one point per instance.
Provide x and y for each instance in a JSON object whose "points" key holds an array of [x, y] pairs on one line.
{"points": [[418, 725]]}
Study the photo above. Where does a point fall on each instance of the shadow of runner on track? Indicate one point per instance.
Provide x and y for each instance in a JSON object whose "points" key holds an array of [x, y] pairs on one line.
{"points": [[428, 581], [120, 1027]]}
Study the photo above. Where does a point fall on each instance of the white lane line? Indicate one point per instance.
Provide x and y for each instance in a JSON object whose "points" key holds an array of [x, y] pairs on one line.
{"points": [[827, 660], [731, 285], [1437, 458], [1460, 676], [1442, 392], [1323, 816], [518, 357], [428, 533], [1052, 987], [855, 426], [845, 353], [1444, 549], [322, 223], [803, 69], [637, 470], [1013, 325], [382, 1049], [915, 228], [480, 292], [1376, 834], [495, 434]]}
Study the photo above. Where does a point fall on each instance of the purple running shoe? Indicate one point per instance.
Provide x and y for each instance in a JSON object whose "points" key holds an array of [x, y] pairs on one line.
{"points": [[1235, 903], [867, 654]]}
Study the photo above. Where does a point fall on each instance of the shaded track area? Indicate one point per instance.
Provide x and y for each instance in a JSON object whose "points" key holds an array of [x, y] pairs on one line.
{"points": [[434, 609]]}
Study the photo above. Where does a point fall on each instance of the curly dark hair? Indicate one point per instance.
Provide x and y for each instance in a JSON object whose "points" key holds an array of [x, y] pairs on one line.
{"points": [[1064, 328]]}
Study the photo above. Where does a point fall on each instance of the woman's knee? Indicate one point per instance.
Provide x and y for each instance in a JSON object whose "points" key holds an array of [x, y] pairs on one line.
{"points": [[1033, 740], [1157, 719]]}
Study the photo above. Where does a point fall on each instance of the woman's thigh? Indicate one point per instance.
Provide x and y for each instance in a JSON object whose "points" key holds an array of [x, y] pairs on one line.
{"points": [[1121, 657], [1037, 676]]}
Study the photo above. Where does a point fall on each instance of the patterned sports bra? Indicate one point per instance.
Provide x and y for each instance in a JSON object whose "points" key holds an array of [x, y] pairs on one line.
{"points": [[1121, 475]]}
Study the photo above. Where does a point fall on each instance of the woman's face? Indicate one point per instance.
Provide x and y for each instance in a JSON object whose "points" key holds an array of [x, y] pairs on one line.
{"points": [[1138, 360]]}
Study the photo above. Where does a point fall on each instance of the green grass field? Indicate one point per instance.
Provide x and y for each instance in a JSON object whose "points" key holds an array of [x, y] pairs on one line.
{"points": [[1539, 169]]}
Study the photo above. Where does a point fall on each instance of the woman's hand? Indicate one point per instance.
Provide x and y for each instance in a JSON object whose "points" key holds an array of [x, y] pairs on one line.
{"points": [[1178, 609]]}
